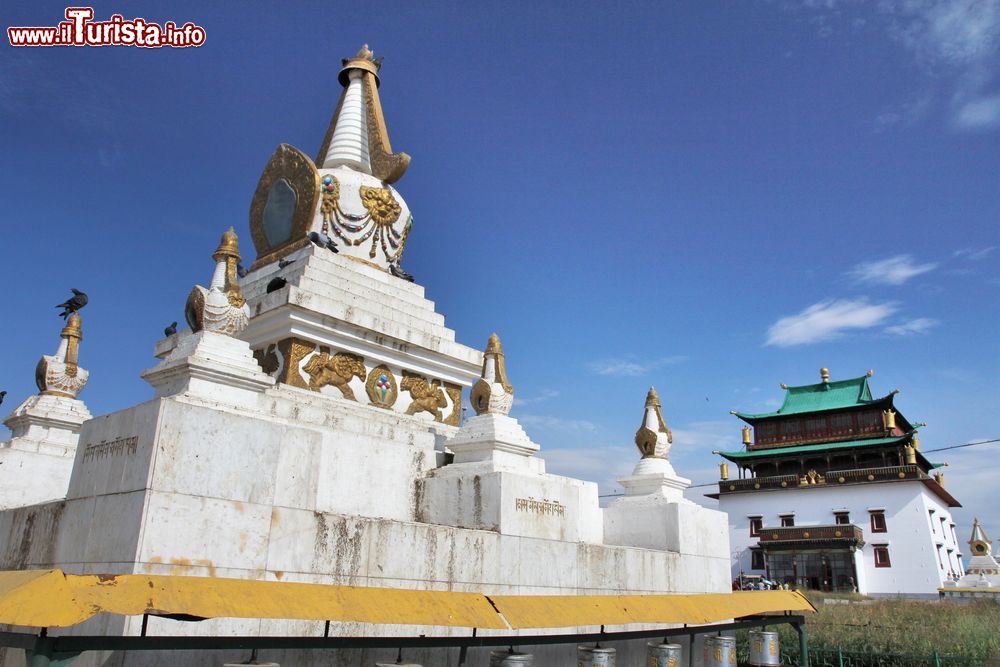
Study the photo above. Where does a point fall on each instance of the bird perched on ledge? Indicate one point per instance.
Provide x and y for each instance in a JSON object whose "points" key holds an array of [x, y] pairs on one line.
{"points": [[3, 395], [171, 330], [73, 304], [323, 241]]}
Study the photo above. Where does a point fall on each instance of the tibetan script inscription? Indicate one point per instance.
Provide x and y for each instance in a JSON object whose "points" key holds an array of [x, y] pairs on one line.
{"points": [[107, 448], [539, 506]]}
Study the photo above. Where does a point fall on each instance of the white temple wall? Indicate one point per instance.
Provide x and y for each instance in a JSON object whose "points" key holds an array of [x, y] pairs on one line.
{"points": [[912, 545]]}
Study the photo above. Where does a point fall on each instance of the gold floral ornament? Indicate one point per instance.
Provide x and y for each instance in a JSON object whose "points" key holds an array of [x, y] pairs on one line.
{"points": [[381, 205], [381, 387], [330, 190]]}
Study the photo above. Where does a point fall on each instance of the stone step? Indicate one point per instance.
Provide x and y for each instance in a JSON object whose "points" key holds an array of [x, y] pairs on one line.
{"points": [[393, 324], [396, 310]]}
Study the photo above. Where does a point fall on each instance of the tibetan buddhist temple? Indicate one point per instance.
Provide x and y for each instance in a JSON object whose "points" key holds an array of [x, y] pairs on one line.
{"points": [[832, 492]]}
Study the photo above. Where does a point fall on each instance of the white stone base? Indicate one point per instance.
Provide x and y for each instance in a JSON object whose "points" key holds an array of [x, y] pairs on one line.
{"points": [[36, 463], [473, 495], [654, 522], [210, 366], [499, 440]]}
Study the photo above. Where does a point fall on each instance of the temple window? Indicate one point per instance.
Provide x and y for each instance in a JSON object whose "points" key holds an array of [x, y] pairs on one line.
{"points": [[842, 518], [787, 520], [878, 521], [881, 555], [756, 524], [756, 559]]}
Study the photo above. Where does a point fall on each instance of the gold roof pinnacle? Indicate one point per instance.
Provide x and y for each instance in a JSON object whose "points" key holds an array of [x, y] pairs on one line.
{"points": [[652, 398], [364, 60], [72, 328], [824, 374], [493, 345], [229, 246]]}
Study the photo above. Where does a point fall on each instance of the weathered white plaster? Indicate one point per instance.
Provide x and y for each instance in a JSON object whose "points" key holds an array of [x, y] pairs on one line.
{"points": [[35, 464]]}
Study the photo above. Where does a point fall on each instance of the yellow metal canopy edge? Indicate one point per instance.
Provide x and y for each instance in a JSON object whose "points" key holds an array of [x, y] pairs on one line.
{"points": [[52, 598], [561, 611]]}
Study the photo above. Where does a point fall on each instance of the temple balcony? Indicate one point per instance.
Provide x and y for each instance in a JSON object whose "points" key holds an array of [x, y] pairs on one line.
{"points": [[846, 535], [829, 478]]}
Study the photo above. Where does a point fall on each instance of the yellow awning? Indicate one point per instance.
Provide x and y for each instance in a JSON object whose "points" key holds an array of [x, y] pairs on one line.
{"points": [[52, 598], [561, 611]]}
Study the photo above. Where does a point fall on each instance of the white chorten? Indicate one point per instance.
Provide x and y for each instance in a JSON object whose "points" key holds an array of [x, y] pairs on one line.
{"points": [[45, 428]]}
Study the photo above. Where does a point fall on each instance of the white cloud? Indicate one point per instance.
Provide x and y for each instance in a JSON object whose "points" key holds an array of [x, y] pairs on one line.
{"points": [[557, 423], [978, 114], [603, 465], [890, 271], [630, 367], [827, 320], [974, 254], [916, 326], [541, 397]]}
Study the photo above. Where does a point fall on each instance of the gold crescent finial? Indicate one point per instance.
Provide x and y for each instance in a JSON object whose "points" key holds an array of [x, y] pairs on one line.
{"points": [[229, 246]]}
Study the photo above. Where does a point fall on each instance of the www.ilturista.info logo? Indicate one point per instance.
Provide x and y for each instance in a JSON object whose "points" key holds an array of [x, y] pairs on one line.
{"points": [[79, 29]]}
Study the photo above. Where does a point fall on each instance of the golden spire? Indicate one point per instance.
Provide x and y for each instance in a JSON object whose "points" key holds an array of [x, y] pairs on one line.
{"points": [[824, 375], [363, 69], [73, 333]]}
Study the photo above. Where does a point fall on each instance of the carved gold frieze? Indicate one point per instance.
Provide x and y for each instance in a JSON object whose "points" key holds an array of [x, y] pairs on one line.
{"points": [[293, 351], [381, 387], [336, 370], [454, 392], [427, 396]]}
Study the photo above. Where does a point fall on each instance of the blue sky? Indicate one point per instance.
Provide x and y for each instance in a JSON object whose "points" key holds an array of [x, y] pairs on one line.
{"points": [[708, 197]]}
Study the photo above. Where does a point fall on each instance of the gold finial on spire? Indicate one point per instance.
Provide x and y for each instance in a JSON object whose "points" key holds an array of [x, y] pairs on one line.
{"points": [[229, 246], [869, 373], [60, 374], [783, 385], [653, 437], [824, 375]]}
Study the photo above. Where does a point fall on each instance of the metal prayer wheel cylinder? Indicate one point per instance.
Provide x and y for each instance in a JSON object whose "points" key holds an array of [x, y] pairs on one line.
{"points": [[663, 655], [720, 652], [590, 656], [765, 648], [510, 659], [255, 664], [396, 664]]}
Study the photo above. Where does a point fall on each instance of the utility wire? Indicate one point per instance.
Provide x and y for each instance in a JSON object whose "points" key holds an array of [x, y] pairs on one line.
{"points": [[922, 451]]}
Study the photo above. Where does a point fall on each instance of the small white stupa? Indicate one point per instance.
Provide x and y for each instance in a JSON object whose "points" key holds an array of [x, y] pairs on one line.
{"points": [[45, 428], [982, 575]]}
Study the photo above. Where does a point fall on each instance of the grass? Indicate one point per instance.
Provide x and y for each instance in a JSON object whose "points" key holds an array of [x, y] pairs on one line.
{"points": [[863, 625]]}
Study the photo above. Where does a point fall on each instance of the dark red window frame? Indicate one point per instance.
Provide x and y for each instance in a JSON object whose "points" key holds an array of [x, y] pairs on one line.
{"points": [[756, 526], [878, 522], [881, 553]]}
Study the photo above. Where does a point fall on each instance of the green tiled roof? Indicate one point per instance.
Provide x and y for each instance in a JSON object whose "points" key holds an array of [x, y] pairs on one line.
{"points": [[820, 447], [820, 397]]}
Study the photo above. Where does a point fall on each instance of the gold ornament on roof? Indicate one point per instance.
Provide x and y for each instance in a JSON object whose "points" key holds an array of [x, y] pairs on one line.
{"points": [[824, 375], [654, 437], [381, 387]]}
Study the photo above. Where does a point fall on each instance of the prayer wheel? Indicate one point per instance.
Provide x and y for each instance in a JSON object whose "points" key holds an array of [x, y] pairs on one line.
{"points": [[591, 656], [765, 649], [720, 651], [254, 664], [663, 655], [510, 659], [396, 664]]}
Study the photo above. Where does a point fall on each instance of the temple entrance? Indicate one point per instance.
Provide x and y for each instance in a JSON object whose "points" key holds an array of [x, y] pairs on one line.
{"points": [[830, 570]]}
